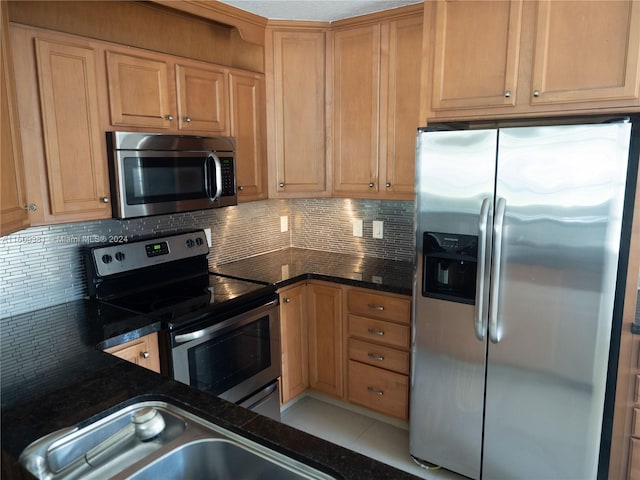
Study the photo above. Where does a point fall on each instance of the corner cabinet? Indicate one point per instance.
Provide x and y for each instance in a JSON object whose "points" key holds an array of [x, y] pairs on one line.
{"points": [[376, 89], [296, 106], [531, 58], [13, 214], [142, 351], [57, 86]]}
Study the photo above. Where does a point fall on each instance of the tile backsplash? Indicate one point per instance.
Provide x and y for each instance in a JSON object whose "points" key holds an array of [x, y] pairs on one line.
{"points": [[44, 266]]}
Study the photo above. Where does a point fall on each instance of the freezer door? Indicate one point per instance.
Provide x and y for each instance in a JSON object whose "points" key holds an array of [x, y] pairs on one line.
{"points": [[455, 177], [559, 197]]}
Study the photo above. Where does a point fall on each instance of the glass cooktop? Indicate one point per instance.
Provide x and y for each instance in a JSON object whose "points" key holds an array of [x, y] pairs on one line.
{"points": [[186, 301]]}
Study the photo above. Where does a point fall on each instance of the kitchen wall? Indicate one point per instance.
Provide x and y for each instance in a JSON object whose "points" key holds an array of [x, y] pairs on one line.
{"points": [[43, 266]]}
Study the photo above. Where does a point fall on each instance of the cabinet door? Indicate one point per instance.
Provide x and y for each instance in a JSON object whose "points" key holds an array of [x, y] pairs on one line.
{"points": [[248, 127], [356, 63], [299, 112], [75, 149], [326, 363], [294, 342], [476, 50], [586, 51], [139, 92], [203, 102], [13, 216], [403, 107], [142, 351]]}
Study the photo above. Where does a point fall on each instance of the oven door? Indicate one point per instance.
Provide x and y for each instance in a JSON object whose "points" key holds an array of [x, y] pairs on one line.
{"points": [[233, 358]]}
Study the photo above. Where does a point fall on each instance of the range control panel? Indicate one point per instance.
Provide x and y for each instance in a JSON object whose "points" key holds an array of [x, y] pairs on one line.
{"points": [[124, 257]]}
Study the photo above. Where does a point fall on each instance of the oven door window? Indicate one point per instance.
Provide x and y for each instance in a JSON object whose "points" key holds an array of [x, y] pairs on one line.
{"points": [[229, 359], [152, 179]]}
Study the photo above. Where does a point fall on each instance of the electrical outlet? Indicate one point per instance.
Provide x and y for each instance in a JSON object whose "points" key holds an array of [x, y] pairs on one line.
{"points": [[284, 223], [207, 233], [377, 229], [357, 227]]}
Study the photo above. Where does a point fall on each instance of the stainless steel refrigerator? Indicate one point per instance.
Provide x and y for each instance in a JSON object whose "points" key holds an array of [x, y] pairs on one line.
{"points": [[519, 231]]}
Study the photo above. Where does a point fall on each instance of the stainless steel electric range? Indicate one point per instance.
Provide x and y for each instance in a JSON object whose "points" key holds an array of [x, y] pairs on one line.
{"points": [[219, 334]]}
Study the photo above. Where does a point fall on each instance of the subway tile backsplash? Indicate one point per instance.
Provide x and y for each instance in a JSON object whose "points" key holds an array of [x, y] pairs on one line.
{"points": [[43, 266]]}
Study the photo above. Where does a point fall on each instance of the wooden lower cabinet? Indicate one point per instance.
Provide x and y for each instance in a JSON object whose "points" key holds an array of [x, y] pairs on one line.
{"points": [[294, 339], [329, 349], [325, 338], [142, 351], [634, 459], [379, 338]]}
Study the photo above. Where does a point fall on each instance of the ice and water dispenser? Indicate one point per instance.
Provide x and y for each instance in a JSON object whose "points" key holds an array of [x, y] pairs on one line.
{"points": [[449, 266]]}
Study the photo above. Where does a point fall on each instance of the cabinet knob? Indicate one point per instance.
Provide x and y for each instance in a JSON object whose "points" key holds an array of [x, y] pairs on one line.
{"points": [[375, 307], [388, 184], [144, 354], [104, 199], [536, 93], [281, 184], [375, 391], [375, 331], [287, 300], [376, 356], [240, 188], [169, 117], [187, 119], [507, 94], [371, 185], [30, 207]]}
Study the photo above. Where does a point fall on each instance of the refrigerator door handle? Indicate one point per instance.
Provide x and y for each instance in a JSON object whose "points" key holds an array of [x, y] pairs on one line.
{"points": [[480, 323], [494, 333]]}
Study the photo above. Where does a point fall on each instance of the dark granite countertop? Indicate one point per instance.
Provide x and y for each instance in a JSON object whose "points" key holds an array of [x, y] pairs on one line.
{"points": [[54, 376], [284, 267]]}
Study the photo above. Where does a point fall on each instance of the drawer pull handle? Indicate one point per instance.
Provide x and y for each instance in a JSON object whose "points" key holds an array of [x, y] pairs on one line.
{"points": [[376, 307], [376, 391], [376, 356], [144, 354], [375, 331]]}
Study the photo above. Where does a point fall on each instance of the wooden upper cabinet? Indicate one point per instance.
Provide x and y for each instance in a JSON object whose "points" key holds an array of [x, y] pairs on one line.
{"points": [[297, 149], [586, 51], [476, 47], [202, 99], [495, 59], [13, 215], [139, 91], [75, 149], [247, 112], [403, 108], [356, 87]]}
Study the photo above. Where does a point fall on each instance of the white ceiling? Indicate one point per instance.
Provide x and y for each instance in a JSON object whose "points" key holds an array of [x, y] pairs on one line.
{"points": [[323, 11]]}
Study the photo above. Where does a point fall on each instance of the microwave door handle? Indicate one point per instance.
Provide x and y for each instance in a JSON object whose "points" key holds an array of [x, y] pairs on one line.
{"points": [[207, 177], [218, 169]]}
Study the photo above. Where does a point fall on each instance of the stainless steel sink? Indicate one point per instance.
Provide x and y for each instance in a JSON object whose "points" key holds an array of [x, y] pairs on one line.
{"points": [[188, 447]]}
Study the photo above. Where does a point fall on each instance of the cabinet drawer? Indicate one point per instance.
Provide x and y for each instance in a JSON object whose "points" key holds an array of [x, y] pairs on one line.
{"points": [[635, 426], [379, 331], [636, 399], [379, 306], [379, 356], [380, 390]]}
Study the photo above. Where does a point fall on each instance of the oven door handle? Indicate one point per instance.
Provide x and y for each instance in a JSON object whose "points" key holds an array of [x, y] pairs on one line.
{"points": [[187, 337]]}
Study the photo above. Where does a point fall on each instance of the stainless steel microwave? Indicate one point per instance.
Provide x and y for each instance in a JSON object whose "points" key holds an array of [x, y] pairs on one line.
{"points": [[157, 173]]}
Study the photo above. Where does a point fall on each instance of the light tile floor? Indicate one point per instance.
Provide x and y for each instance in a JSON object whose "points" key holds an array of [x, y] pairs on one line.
{"points": [[369, 436]]}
